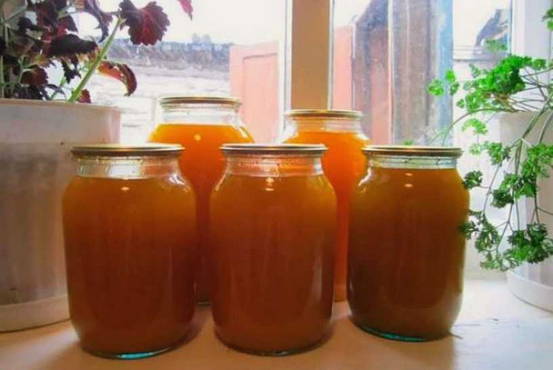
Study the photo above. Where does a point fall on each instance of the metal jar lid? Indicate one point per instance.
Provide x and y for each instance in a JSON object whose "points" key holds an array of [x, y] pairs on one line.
{"points": [[220, 100], [408, 150], [323, 113], [119, 150], [295, 149]]}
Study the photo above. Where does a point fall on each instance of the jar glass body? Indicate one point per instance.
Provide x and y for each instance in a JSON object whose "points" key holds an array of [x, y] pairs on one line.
{"points": [[406, 250], [201, 127], [343, 164], [272, 238], [130, 239]]}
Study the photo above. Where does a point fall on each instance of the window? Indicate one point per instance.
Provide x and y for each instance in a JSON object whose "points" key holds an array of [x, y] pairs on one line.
{"points": [[229, 48]]}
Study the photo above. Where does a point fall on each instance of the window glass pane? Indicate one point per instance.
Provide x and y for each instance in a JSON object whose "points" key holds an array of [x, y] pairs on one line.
{"points": [[228, 48], [475, 22], [385, 53]]}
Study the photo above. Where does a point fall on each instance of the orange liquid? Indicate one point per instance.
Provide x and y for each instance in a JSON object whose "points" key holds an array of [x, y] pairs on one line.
{"points": [[343, 164], [130, 249], [203, 165], [406, 251], [273, 241]]}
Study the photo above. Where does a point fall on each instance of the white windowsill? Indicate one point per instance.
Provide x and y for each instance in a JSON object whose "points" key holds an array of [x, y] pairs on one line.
{"points": [[494, 331]]}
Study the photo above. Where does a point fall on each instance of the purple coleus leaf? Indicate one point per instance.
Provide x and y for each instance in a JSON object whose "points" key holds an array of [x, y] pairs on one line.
{"points": [[121, 72], [68, 72], [69, 45], [92, 7], [146, 25], [84, 97], [187, 7], [37, 76], [24, 24], [46, 12]]}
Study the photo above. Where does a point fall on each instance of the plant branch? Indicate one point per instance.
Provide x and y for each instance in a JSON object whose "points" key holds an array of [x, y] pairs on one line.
{"points": [[95, 63]]}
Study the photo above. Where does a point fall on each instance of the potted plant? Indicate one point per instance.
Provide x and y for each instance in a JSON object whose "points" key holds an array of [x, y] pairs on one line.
{"points": [[512, 225], [45, 108]]}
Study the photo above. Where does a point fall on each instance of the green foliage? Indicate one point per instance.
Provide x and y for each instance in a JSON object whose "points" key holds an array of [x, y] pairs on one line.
{"points": [[478, 127], [497, 152], [548, 18], [436, 87], [495, 46], [473, 179], [518, 165]]}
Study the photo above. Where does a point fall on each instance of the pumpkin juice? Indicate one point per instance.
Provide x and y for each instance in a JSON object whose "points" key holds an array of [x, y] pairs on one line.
{"points": [[343, 164], [203, 166], [406, 251]]}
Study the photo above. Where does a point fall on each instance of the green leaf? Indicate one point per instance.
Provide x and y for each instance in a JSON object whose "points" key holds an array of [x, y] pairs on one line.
{"points": [[408, 142], [549, 18], [473, 179], [495, 46], [497, 152], [539, 64], [476, 149], [453, 88], [450, 76], [474, 71], [478, 127], [436, 88]]}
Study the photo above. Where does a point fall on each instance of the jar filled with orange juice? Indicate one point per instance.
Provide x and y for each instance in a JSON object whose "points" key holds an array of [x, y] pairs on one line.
{"points": [[201, 125], [406, 250], [130, 247], [273, 221], [344, 163]]}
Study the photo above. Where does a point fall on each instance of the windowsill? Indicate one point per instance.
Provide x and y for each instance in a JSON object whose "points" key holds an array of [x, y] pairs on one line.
{"points": [[495, 330]]}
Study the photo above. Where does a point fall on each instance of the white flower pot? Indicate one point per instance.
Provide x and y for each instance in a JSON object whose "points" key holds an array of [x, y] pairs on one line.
{"points": [[35, 166], [532, 283]]}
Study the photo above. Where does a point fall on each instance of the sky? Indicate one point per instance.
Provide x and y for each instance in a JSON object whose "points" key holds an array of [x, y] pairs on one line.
{"points": [[253, 21]]}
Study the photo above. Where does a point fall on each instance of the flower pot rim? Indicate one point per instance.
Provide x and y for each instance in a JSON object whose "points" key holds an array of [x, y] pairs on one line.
{"points": [[57, 103]]}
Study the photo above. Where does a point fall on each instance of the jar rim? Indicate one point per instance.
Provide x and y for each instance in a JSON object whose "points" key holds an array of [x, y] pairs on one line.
{"points": [[283, 149], [121, 150], [410, 150], [186, 99], [324, 113]]}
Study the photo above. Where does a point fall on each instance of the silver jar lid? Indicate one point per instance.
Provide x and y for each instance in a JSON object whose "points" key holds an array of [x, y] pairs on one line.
{"points": [[316, 149], [408, 150], [323, 113], [120, 150], [220, 100]]}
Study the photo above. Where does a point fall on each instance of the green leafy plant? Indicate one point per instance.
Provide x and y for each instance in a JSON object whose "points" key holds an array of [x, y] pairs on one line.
{"points": [[514, 84]]}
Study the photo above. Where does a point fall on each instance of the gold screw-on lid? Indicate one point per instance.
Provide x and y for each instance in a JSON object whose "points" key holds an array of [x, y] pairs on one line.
{"points": [[273, 148], [224, 100], [408, 150], [119, 150], [323, 113]]}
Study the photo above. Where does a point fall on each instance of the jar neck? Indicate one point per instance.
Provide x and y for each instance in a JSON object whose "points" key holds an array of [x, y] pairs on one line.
{"points": [[200, 114], [128, 167], [273, 165], [325, 124], [411, 162]]}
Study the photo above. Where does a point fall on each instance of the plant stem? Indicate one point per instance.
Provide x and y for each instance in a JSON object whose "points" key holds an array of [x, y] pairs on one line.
{"points": [[95, 63]]}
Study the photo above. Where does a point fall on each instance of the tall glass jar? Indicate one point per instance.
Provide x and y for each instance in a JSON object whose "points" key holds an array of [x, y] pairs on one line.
{"points": [[406, 250], [130, 246], [273, 219], [344, 163], [201, 125]]}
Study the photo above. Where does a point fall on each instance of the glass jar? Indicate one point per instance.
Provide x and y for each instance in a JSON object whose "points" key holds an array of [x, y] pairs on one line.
{"points": [[130, 246], [340, 131], [201, 125], [406, 250], [272, 231]]}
